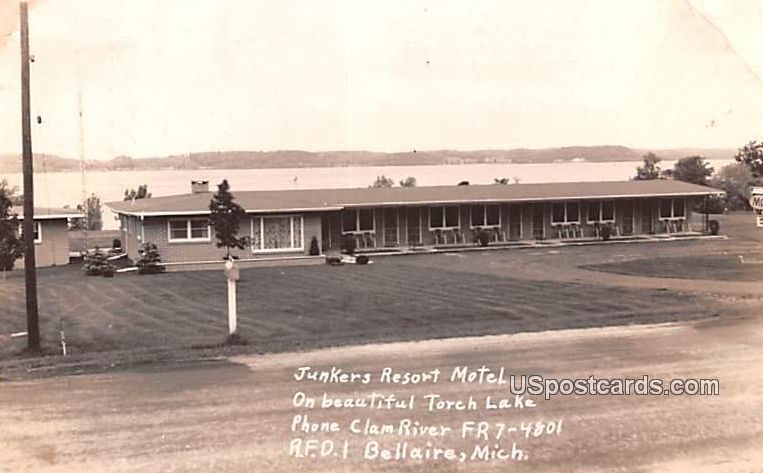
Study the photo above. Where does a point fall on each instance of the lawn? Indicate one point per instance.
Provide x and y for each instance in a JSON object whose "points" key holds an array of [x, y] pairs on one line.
{"points": [[396, 298], [722, 267], [299, 307]]}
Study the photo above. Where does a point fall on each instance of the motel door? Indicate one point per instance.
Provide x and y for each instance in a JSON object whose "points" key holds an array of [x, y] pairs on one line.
{"points": [[628, 217], [646, 217], [538, 217], [327, 222], [390, 227], [515, 222], [414, 226]]}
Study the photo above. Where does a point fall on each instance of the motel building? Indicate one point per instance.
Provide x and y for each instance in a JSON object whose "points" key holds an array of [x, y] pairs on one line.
{"points": [[283, 223], [51, 235]]}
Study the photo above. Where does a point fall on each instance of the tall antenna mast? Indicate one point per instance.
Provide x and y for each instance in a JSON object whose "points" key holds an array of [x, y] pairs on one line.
{"points": [[83, 183]]}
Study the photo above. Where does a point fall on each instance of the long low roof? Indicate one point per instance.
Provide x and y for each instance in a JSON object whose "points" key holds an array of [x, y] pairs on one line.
{"points": [[312, 200], [48, 213]]}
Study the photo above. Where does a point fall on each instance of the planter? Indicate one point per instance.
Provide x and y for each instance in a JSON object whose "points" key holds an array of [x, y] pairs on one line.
{"points": [[483, 238]]}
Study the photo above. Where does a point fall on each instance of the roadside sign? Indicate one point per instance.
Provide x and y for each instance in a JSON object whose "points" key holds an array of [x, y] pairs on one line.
{"points": [[756, 201]]}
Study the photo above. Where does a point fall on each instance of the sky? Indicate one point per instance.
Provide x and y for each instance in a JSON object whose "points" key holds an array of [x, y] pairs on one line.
{"points": [[159, 77]]}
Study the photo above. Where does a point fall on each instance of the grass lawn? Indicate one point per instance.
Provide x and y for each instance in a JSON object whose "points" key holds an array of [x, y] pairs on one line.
{"points": [[723, 267], [396, 298], [289, 308], [718, 261]]}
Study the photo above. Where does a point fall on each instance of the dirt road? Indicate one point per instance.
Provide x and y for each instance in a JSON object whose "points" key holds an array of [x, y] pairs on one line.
{"points": [[236, 415]]}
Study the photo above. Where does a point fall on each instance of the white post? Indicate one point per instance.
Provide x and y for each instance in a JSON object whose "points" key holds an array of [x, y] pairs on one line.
{"points": [[231, 306], [231, 272]]}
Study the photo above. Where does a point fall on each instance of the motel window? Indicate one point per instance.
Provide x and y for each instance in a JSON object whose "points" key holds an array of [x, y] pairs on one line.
{"points": [[366, 219], [666, 208], [672, 208], [190, 229], [608, 211], [37, 231], [361, 220], [443, 217], [277, 233], [601, 211], [199, 229], [594, 210], [565, 212], [178, 229], [436, 217], [679, 207], [486, 215]]}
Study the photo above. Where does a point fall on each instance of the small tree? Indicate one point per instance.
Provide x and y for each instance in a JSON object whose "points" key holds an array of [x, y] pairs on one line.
{"points": [[11, 247], [409, 181], [751, 154], [650, 169], [97, 263], [503, 181], [93, 215], [693, 169], [383, 181], [11, 192], [141, 193], [314, 249], [149, 261], [225, 217], [735, 179]]}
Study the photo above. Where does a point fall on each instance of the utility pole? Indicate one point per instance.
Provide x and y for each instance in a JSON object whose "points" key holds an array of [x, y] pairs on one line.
{"points": [[30, 270]]}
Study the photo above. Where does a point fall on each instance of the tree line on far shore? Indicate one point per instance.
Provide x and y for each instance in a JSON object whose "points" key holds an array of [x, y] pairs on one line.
{"points": [[734, 179]]}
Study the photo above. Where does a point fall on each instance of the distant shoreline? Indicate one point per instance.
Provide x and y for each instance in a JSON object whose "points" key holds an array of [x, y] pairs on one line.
{"points": [[48, 169], [325, 159]]}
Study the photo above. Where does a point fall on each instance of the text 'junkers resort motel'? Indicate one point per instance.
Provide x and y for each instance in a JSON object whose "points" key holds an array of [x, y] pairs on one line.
{"points": [[284, 223]]}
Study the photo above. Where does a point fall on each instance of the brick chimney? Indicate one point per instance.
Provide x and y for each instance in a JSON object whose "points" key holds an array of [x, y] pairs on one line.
{"points": [[199, 187]]}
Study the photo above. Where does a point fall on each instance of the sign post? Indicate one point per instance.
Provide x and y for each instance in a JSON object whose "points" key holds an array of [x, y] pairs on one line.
{"points": [[756, 201], [232, 274]]}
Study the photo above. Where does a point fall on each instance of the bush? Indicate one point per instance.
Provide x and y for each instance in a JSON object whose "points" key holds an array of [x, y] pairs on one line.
{"points": [[711, 205], [349, 244], [149, 261], [483, 237], [362, 259], [116, 243], [314, 250], [97, 264], [6, 262], [334, 260], [714, 227], [605, 233]]}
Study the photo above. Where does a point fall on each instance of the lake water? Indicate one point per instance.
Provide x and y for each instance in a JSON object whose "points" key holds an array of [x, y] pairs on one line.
{"points": [[65, 188]]}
